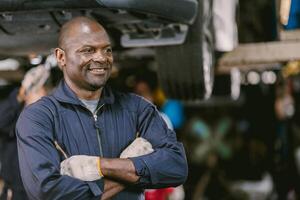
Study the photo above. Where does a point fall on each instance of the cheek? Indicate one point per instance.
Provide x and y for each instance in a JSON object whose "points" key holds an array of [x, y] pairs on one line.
{"points": [[74, 59], [77, 60], [110, 60], [78, 64]]}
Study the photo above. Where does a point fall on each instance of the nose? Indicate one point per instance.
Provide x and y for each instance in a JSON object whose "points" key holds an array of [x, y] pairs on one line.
{"points": [[99, 56]]}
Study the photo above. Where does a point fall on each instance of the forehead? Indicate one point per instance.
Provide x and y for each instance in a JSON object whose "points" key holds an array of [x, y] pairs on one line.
{"points": [[87, 35]]}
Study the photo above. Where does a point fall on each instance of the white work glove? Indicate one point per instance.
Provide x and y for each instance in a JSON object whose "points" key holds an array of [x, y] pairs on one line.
{"points": [[85, 168], [35, 78], [138, 147]]}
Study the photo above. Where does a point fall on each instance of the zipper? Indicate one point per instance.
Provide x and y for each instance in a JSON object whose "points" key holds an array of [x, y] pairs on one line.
{"points": [[97, 130]]}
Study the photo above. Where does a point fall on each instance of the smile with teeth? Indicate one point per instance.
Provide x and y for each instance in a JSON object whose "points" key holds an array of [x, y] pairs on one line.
{"points": [[97, 71]]}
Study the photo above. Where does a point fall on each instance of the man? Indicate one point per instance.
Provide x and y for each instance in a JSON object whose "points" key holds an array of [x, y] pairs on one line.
{"points": [[90, 124], [31, 90]]}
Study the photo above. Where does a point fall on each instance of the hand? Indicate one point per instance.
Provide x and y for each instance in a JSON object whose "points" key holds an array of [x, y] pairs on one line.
{"points": [[85, 168], [35, 78], [138, 147]]}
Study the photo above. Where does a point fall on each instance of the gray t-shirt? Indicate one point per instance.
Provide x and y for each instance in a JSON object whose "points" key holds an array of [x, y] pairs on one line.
{"points": [[90, 104]]}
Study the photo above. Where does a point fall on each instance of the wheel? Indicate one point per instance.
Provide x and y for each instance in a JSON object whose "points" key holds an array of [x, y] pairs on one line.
{"points": [[186, 71]]}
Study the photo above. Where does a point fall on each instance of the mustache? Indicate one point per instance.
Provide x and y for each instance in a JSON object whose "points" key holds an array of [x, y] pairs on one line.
{"points": [[98, 65]]}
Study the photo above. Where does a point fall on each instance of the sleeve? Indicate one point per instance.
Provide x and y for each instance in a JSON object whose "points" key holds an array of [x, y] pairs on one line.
{"points": [[9, 112], [167, 165], [40, 162]]}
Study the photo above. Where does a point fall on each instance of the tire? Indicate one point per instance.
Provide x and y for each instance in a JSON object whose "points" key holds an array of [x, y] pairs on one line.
{"points": [[186, 71]]}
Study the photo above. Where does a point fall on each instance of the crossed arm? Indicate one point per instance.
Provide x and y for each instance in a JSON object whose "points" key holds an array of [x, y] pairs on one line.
{"points": [[117, 171], [121, 169], [40, 161]]}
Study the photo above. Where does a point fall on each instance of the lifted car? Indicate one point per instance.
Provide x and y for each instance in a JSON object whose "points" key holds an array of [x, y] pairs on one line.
{"points": [[178, 30]]}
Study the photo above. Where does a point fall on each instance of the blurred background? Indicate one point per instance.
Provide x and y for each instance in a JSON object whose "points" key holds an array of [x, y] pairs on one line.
{"points": [[227, 78]]}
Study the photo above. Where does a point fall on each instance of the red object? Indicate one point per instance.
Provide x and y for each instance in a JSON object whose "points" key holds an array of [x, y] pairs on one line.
{"points": [[158, 194]]}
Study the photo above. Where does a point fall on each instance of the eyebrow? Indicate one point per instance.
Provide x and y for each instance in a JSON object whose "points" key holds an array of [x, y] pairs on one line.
{"points": [[94, 46]]}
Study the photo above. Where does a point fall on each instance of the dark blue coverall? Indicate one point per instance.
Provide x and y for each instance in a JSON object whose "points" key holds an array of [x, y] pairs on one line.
{"points": [[63, 117]]}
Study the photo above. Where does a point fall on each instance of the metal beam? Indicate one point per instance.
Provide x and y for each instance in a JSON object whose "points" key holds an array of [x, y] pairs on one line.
{"points": [[259, 55], [290, 34], [246, 68]]}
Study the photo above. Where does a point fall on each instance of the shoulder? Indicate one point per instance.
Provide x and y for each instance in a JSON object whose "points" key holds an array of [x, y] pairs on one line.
{"points": [[132, 102], [36, 120], [38, 111]]}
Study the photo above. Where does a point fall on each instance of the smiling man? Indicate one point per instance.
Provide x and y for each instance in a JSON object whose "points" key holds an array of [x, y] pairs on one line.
{"points": [[86, 141], [85, 56]]}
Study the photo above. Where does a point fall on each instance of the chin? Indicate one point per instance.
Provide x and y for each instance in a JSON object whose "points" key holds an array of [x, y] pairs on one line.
{"points": [[97, 86], [96, 83]]}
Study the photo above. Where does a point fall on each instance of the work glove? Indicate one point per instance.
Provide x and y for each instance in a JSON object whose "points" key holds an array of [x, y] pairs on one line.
{"points": [[35, 78], [138, 147], [85, 168]]}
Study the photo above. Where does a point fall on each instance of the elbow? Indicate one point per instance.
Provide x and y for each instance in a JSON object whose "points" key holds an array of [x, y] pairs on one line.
{"points": [[182, 173], [185, 173], [183, 168], [179, 173], [179, 178], [168, 169]]}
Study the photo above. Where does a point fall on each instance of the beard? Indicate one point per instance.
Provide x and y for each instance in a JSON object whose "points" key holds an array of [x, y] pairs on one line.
{"points": [[97, 74]]}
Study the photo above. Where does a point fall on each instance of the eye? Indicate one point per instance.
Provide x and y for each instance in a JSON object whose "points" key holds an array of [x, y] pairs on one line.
{"points": [[108, 50], [88, 50]]}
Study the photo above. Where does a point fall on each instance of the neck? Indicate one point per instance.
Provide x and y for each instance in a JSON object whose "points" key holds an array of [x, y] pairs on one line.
{"points": [[84, 93], [89, 95]]}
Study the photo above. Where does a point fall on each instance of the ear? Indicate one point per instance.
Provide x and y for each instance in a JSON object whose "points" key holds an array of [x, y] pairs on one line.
{"points": [[60, 57]]}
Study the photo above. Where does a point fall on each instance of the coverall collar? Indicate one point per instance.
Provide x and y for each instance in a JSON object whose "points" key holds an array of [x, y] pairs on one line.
{"points": [[64, 94]]}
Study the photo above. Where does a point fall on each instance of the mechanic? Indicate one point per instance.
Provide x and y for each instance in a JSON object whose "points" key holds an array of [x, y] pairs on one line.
{"points": [[31, 90], [86, 141]]}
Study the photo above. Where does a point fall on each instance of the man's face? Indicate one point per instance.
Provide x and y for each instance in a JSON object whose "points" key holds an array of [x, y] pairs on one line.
{"points": [[88, 58]]}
